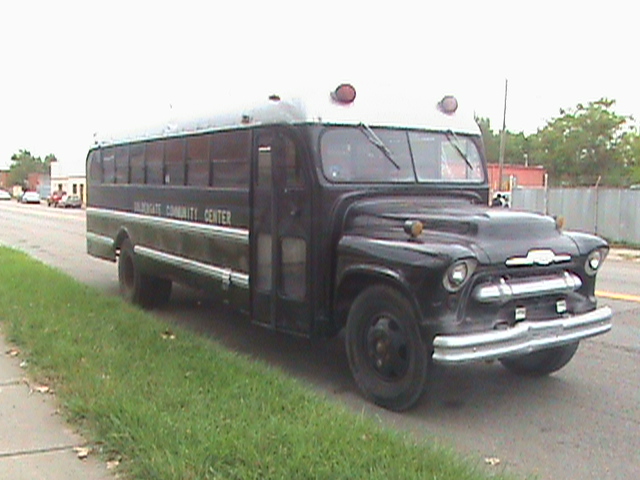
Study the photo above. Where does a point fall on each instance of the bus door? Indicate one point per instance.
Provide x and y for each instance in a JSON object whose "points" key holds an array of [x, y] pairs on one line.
{"points": [[280, 233]]}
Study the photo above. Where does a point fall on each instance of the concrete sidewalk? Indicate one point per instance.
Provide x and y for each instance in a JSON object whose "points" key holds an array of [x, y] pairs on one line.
{"points": [[35, 441]]}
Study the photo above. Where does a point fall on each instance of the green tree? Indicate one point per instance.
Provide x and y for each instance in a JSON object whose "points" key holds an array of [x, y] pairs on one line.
{"points": [[516, 149], [47, 161], [580, 147], [630, 146], [490, 139], [23, 164]]}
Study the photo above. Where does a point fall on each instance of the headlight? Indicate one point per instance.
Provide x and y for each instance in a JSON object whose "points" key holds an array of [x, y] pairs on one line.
{"points": [[458, 274], [594, 260]]}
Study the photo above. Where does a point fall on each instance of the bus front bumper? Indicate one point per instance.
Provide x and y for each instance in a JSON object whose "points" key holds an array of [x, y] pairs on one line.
{"points": [[524, 337]]}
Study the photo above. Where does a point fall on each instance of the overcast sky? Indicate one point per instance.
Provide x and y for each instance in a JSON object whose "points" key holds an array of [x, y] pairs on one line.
{"points": [[69, 69]]}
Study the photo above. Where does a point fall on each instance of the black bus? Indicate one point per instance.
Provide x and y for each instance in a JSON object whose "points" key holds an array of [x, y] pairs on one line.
{"points": [[333, 212]]}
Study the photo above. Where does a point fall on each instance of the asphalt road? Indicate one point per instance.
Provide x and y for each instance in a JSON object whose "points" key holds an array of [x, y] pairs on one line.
{"points": [[581, 423]]}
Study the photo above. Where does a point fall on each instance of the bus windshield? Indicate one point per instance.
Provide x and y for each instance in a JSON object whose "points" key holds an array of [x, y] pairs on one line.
{"points": [[383, 155]]}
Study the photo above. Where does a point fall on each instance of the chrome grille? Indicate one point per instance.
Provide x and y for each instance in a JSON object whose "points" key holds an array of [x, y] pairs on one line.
{"points": [[507, 289]]}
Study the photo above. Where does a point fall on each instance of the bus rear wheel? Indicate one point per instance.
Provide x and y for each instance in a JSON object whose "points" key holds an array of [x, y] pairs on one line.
{"points": [[387, 354], [542, 362], [137, 287]]}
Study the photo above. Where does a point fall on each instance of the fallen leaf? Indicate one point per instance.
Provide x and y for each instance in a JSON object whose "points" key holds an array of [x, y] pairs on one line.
{"points": [[111, 464], [42, 389], [493, 461], [82, 452]]}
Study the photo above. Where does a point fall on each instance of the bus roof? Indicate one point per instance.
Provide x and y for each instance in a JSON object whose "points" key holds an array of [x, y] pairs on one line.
{"points": [[370, 107]]}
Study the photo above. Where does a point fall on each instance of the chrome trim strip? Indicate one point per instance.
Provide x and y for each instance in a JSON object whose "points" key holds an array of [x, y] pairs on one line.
{"points": [[217, 231], [100, 239], [525, 337], [240, 279], [225, 275], [514, 289]]}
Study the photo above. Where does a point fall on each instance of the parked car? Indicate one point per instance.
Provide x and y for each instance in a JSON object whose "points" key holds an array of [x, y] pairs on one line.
{"points": [[30, 197], [55, 197], [4, 195], [70, 201]]}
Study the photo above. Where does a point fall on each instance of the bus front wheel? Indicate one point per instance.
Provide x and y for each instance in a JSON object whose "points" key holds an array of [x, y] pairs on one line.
{"points": [[137, 287], [387, 354]]}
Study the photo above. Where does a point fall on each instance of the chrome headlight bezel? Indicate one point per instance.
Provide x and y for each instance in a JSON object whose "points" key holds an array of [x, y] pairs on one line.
{"points": [[594, 260], [458, 274]]}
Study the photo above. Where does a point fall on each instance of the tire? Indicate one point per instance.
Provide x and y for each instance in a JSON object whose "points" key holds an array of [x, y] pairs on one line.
{"points": [[387, 354], [139, 288], [542, 362]]}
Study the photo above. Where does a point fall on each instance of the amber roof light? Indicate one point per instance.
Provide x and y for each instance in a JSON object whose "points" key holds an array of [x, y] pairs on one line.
{"points": [[345, 93], [448, 104]]}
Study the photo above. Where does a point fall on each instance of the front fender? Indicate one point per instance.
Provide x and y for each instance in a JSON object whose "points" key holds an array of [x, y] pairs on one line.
{"points": [[376, 273], [586, 242], [414, 269], [355, 278]]}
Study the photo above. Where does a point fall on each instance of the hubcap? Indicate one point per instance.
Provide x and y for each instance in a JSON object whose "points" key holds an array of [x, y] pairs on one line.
{"points": [[387, 348]]}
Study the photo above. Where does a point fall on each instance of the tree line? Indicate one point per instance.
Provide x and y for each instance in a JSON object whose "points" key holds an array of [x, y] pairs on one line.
{"points": [[24, 163], [586, 145]]}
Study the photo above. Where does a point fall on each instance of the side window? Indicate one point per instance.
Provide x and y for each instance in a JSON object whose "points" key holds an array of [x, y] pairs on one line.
{"points": [[293, 280], [136, 162], [122, 164], [95, 167], [292, 165], [265, 262], [264, 164], [154, 157], [289, 164], [293, 250], [198, 160], [174, 162], [230, 157], [109, 165]]}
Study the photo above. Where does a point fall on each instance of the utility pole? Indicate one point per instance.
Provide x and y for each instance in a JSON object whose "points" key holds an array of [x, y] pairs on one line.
{"points": [[502, 137]]}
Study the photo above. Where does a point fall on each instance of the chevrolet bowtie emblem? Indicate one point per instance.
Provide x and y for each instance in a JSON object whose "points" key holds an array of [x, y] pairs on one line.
{"points": [[538, 257]]}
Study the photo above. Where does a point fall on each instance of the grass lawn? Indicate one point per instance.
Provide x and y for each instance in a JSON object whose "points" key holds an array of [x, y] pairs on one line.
{"points": [[172, 405]]}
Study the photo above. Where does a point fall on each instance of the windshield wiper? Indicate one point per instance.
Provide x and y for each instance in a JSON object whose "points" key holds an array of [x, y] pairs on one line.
{"points": [[373, 138], [456, 144]]}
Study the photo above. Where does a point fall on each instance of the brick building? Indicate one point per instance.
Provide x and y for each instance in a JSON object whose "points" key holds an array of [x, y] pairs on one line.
{"points": [[516, 176]]}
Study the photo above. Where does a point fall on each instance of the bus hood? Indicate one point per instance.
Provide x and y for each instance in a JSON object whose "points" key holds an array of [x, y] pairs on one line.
{"points": [[455, 228]]}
